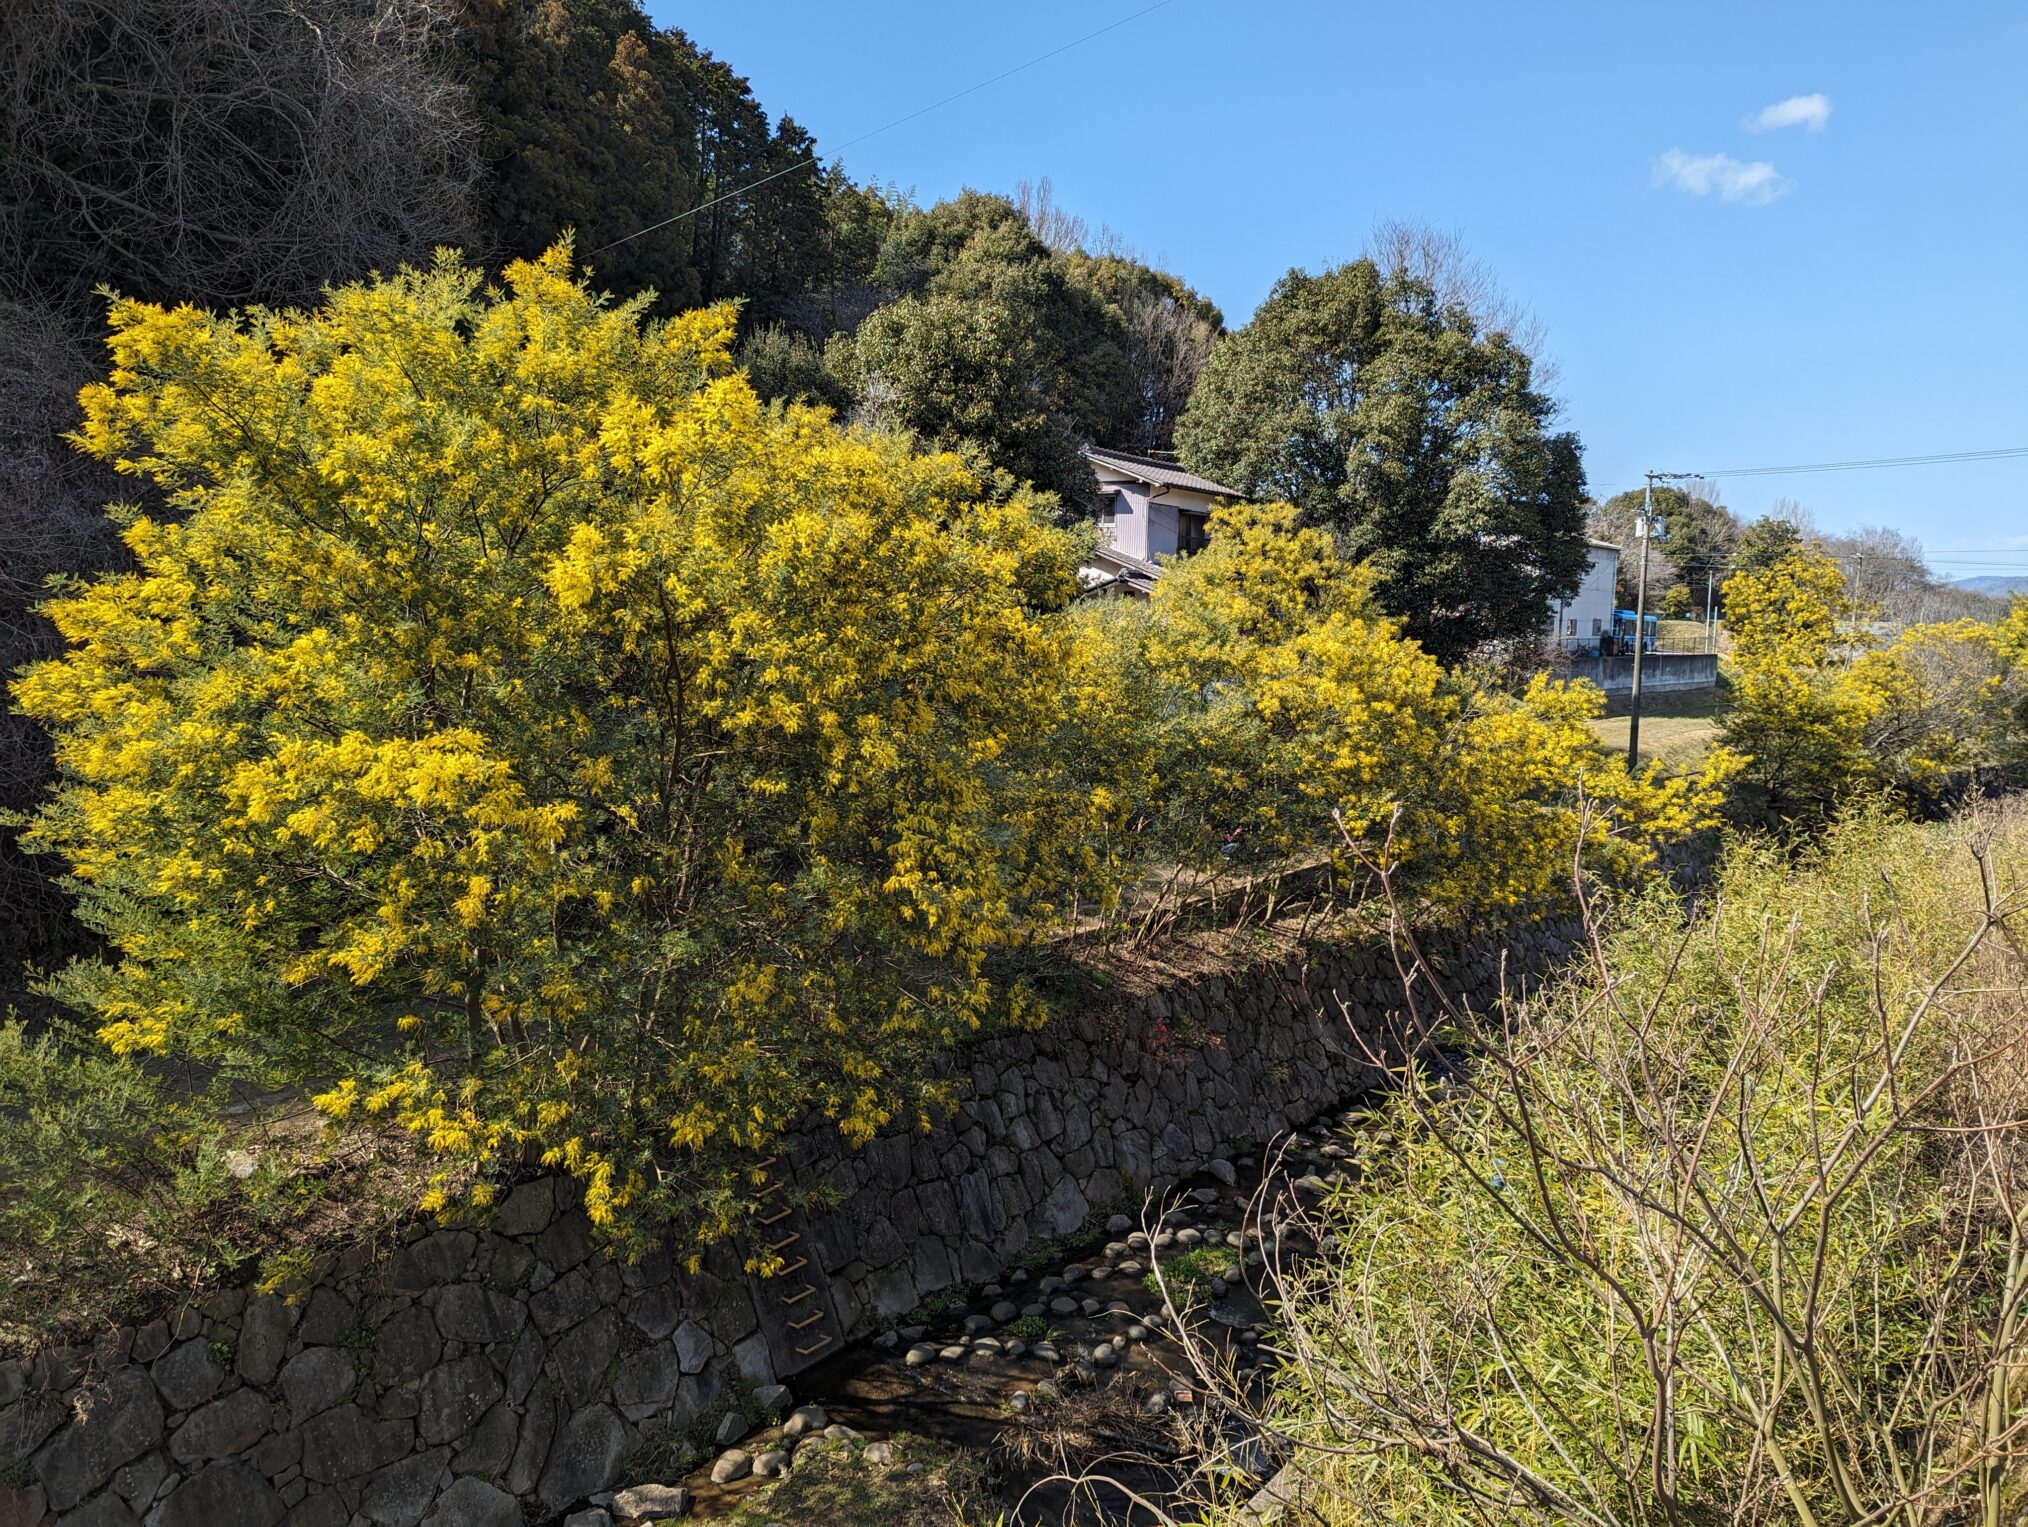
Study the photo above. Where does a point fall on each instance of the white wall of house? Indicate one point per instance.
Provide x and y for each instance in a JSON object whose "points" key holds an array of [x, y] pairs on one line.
{"points": [[1147, 522], [1578, 622]]}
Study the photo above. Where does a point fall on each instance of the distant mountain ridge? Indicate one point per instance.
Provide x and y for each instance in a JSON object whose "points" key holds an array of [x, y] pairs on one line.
{"points": [[1995, 583]]}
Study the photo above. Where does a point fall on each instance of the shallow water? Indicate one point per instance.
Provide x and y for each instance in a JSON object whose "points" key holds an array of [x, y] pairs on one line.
{"points": [[970, 1400]]}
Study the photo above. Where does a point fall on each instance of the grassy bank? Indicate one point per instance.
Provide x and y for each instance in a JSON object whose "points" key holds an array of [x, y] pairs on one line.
{"points": [[1679, 728], [1731, 1230]]}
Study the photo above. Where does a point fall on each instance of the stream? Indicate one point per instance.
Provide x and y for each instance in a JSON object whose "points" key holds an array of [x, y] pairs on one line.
{"points": [[1083, 1321]]}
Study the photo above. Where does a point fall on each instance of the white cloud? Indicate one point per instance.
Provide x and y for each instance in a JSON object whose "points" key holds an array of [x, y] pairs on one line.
{"points": [[1756, 182], [1810, 111]]}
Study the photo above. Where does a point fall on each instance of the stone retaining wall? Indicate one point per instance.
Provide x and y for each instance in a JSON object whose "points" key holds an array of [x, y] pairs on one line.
{"points": [[471, 1374]]}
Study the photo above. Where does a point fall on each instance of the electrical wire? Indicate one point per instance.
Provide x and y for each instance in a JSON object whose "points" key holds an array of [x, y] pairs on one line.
{"points": [[923, 111], [1992, 453]]}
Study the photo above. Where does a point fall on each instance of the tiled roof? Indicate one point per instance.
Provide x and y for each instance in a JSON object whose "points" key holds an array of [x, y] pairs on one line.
{"points": [[1163, 474], [1110, 568]]}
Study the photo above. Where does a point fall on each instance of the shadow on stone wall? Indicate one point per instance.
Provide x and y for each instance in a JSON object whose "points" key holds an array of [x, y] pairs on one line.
{"points": [[471, 1371]]}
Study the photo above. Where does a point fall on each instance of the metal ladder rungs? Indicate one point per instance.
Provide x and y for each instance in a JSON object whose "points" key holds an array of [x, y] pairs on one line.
{"points": [[772, 1220], [816, 1346], [794, 1267], [787, 1240], [792, 1299], [807, 1321]]}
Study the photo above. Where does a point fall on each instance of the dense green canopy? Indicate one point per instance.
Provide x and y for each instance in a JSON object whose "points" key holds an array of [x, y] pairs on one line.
{"points": [[1393, 416]]}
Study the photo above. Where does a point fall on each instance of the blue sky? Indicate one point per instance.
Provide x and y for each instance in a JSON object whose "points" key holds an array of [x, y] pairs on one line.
{"points": [[1846, 281]]}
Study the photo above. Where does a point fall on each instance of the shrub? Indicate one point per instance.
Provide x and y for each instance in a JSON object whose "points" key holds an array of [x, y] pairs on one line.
{"points": [[1821, 718], [1728, 1230], [525, 725], [1272, 704]]}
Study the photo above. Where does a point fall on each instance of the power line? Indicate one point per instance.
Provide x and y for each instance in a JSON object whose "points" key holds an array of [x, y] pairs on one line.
{"points": [[804, 164], [1867, 464], [1993, 453]]}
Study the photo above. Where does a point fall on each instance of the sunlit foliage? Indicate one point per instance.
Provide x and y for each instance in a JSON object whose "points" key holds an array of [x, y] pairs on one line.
{"points": [[530, 733]]}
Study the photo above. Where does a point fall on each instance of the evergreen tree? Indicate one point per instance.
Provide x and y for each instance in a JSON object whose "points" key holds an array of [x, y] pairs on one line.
{"points": [[1394, 417]]}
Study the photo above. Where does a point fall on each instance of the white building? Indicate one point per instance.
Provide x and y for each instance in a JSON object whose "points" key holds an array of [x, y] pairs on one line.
{"points": [[1577, 623], [1147, 509]]}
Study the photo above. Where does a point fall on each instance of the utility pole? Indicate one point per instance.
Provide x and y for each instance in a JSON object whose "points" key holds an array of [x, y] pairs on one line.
{"points": [[1647, 529], [1640, 626], [1710, 613]]}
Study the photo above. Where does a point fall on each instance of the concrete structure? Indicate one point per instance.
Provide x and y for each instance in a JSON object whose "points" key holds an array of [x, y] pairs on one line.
{"points": [[1577, 623], [1661, 672], [1148, 509]]}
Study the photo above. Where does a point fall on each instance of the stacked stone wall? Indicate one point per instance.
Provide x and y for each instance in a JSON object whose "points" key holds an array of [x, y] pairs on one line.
{"points": [[467, 1378]]}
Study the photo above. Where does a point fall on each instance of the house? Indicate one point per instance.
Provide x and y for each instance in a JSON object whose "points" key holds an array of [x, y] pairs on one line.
{"points": [[1147, 509], [1576, 624]]}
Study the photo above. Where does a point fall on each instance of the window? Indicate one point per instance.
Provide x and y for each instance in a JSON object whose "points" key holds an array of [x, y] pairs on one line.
{"points": [[1570, 626], [1193, 532], [1597, 625], [1108, 505]]}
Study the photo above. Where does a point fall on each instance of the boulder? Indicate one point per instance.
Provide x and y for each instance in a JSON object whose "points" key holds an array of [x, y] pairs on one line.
{"points": [[263, 1339], [407, 1345], [217, 1431], [733, 1464], [189, 1375], [527, 1210], [124, 1421], [653, 1503], [317, 1378], [472, 1502], [805, 1418], [454, 1397], [473, 1313], [584, 1458], [401, 1493], [344, 1444], [232, 1492], [23, 1507], [647, 1381]]}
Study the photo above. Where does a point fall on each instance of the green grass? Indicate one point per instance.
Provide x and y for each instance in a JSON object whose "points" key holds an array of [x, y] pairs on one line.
{"points": [[1028, 1328], [1189, 1273], [833, 1484], [1677, 727]]}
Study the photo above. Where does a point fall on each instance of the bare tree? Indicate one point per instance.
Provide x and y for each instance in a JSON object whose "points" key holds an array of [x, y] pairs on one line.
{"points": [[221, 152], [1444, 263], [1061, 229], [226, 151], [1755, 1254]]}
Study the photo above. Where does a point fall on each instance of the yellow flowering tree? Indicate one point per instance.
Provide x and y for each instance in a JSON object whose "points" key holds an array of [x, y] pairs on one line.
{"points": [[1290, 704], [1801, 727], [1825, 713], [530, 734]]}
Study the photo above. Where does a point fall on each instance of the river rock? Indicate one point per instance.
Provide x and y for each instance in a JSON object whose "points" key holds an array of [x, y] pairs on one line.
{"points": [[771, 1464], [733, 1464], [805, 1418], [652, 1502], [920, 1354]]}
